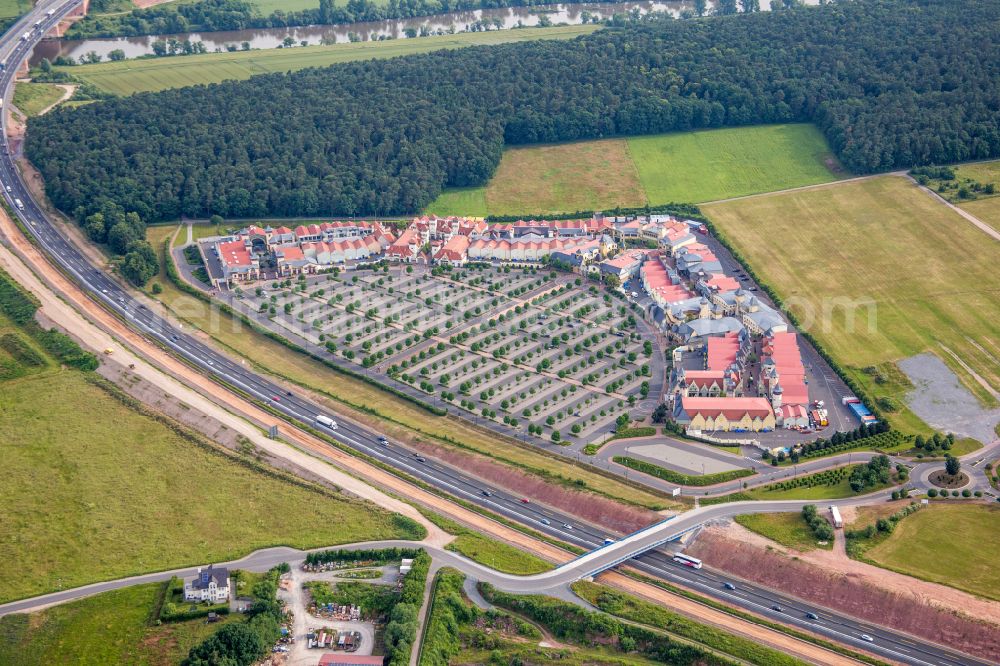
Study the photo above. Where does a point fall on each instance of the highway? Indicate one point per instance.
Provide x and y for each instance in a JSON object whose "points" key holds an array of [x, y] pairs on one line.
{"points": [[101, 287]]}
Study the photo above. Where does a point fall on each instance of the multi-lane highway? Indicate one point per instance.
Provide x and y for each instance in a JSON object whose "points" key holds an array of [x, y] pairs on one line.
{"points": [[119, 301]]}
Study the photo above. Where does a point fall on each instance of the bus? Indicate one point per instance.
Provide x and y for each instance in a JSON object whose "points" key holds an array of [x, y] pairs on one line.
{"points": [[687, 560]]}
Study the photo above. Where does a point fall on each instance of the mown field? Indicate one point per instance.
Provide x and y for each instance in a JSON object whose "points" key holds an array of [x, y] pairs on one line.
{"points": [[130, 76], [109, 628], [788, 529], [561, 178], [878, 271], [95, 491], [681, 167], [947, 543], [12, 9], [986, 208], [396, 417]]}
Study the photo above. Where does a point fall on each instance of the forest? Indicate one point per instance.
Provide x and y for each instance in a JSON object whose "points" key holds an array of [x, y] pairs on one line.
{"points": [[891, 83]]}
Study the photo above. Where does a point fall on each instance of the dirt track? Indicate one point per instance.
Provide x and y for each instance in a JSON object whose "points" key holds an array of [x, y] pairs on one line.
{"points": [[87, 331]]}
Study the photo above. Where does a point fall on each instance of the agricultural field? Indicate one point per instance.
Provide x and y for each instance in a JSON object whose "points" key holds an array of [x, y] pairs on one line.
{"points": [[367, 403], [788, 529], [518, 347], [131, 76], [680, 167], [108, 628], [11, 10], [840, 245], [722, 163], [66, 439], [33, 98], [948, 544]]}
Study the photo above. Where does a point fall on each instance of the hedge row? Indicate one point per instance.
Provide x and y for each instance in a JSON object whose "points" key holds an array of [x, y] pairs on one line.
{"points": [[175, 278], [376, 555], [15, 345], [634, 609], [678, 478], [854, 386], [687, 211], [20, 307], [567, 621], [401, 630]]}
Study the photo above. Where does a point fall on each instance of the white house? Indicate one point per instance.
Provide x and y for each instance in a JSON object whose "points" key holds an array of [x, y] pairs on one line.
{"points": [[210, 584]]}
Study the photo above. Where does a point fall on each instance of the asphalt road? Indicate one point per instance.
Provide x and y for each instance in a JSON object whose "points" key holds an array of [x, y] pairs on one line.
{"points": [[106, 291]]}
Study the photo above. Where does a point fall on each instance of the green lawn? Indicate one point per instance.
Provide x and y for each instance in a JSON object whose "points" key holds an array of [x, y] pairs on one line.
{"points": [[952, 544], [130, 76], [878, 271], [498, 555], [12, 9], [109, 628], [788, 529], [95, 491], [461, 201], [731, 162], [33, 98], [830, 484]]}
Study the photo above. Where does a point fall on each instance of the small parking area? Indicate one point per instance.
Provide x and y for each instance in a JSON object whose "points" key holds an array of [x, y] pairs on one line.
{"points": [[553, 356]]}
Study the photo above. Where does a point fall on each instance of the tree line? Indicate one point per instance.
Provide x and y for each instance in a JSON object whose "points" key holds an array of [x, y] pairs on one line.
{"points": [[215, 15], [891, 83]]}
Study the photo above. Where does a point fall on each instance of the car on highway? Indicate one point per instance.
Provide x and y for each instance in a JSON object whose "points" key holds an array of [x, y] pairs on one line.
{"points": [[525, 500], [567, 526], [812, 616], [867, 638], [486, 493], [275, 398], [421, 459], [383, 440], [545, 521], [729, 586], [777, 609]]}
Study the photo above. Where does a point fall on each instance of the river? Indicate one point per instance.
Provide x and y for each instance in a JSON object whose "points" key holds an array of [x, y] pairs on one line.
{"points": [[270, 38]]}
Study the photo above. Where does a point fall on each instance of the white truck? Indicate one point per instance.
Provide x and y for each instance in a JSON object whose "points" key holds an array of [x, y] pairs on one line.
{"points": [[25, 36], [19, 204], [838, 522], [50, 12], [326, 421]]}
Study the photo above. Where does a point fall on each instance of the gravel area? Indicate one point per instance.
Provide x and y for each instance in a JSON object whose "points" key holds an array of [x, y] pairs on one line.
{"points": [[943, 403]]}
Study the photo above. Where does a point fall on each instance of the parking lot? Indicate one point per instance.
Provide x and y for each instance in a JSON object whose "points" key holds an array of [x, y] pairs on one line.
{"points": [[550, 355]]}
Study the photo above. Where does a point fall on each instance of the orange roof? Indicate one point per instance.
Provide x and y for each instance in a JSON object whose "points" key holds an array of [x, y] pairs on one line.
{"points": [[234, 253]]}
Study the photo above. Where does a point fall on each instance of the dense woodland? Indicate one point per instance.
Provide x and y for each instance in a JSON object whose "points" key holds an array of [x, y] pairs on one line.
{"points": [[214, 15], [891, 84]]}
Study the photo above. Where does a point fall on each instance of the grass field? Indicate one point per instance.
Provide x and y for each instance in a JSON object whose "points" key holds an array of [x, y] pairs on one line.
{"points": [[95, 491], [498, 555], [878, 271], [986, 210], [665, 168], [950, 544], [788, 529], [12, 9], [839, 489], [356, 397], [722, 163], [33, 98], [130, 76], [559, 178], [109, 628]]}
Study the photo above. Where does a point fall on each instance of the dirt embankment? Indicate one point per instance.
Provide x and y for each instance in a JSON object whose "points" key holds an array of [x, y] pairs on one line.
{"points": [[587, 506], [904, 608]]}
